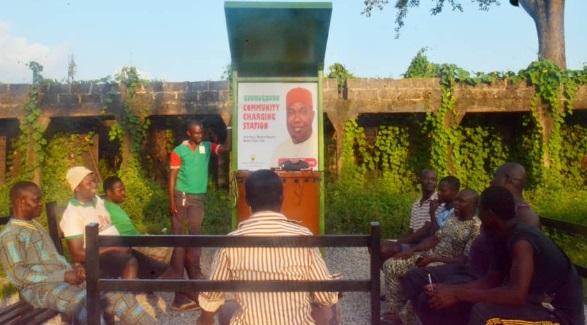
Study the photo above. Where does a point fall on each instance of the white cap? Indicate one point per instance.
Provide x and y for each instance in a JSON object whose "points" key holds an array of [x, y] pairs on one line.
{"points": [[75, 175]]}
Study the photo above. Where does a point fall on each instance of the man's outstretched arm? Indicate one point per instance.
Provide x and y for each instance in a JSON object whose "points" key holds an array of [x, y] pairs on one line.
{"points": [[515, 293]]}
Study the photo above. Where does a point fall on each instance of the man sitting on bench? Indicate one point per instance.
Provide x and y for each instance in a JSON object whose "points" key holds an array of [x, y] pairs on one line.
{"points": [[42, 276], [264, 194], [84, 208], [153, 261]]}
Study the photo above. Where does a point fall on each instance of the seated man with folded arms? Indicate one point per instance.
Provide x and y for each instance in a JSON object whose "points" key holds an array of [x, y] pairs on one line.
{"points": [[153, 261], [531, 280], [448, 245], [264, 194], [84, 208], [42, 276]]}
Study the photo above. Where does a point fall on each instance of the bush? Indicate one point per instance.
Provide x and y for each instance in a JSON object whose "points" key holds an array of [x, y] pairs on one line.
{"points": [[218, 213], [350, 209]]}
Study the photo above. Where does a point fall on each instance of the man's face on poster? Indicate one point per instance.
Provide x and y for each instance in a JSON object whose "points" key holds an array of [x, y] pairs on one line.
{"points": [[299, 121]]}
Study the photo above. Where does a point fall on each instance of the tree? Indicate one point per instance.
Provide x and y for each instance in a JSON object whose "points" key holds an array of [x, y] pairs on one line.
{"points": [[548, 16]]}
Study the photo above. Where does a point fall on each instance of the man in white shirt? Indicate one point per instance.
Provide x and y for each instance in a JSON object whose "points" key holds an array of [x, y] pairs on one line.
{"points": [[303, 142], [86, 207]]}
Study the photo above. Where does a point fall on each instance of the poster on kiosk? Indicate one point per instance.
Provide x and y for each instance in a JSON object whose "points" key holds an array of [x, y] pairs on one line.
{"points": [[278, 126]]}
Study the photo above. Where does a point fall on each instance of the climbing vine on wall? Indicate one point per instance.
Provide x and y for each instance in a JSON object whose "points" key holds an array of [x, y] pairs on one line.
{"points": [[29, 153], [147, 204], [351, 173], [555, 92], [63, 151]]}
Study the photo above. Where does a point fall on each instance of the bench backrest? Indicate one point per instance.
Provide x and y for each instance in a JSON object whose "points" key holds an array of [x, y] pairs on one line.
{"points": [[570, 229], [54, 232], [95, 285]]}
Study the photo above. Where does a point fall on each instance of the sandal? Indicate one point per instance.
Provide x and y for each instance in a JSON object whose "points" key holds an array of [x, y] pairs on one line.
{"points": [[390, 318], [182, 303]]}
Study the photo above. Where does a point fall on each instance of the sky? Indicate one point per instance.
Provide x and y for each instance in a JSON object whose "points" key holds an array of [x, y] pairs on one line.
{"points": [[186, 40]]}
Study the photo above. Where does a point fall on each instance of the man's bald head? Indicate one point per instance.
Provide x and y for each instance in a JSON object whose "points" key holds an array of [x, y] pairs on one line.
{"points": [[25, 200], [466, 204], [19, 188], [512, 176], [470, 195]]}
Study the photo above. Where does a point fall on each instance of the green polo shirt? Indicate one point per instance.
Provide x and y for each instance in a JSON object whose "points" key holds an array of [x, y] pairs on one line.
{"points": [[192, 177], [120, 219]]}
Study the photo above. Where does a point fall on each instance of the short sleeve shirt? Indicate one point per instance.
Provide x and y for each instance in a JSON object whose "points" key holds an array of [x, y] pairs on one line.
{"points": [[420, 213], [456, 235], [78, 214], [192, 163], [120, 219]]}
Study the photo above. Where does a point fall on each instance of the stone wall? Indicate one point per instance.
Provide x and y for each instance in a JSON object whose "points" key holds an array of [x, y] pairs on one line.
{"points": [[362, 96], [211, 97]]}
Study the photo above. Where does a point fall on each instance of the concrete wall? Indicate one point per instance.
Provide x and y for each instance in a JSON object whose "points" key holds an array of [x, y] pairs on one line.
{"points": [[210, 97]]}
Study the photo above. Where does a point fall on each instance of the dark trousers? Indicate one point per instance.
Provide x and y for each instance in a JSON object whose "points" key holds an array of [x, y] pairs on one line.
{"points": [[462, 313], [190, 210], [149, 268], [112, 264], [413, 288]]}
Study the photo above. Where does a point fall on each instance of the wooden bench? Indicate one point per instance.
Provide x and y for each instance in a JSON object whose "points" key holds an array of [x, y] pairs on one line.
{"points": [[21, 312], [569, 229], [95, 285]]}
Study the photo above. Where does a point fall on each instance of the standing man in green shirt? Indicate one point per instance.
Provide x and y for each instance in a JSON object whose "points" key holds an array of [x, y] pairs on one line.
{"points": [[188, 185]]}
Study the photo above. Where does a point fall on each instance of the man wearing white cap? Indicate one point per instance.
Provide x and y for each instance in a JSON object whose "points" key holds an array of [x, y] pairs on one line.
{"points": [[86, 207]]}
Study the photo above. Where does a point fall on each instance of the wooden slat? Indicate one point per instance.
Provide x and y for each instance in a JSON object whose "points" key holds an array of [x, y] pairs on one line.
{"points": [[9, 308], [581, 270], [95, 285], [225, 241], [375, 285], [569, 228], [15, 313], [50, 207], [233, 286], [92, 275], [38, 316]]}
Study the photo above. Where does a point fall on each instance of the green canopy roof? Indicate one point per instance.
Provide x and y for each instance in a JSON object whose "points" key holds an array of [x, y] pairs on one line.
{"points": [[277, 38]]}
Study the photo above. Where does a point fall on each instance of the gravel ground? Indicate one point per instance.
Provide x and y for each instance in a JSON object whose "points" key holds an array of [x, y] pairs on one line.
{"points": [[352, 263]]}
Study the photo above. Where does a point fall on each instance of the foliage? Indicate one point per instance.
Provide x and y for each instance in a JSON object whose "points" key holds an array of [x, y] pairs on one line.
{"points": [[478, 152], [351, 174], [403, 6], [573, 155], [147, 206], [218, 212], [552, 86], [339, 72], [421, 67], [391, 151], [349, 210], [29, 154], [63, 152]]}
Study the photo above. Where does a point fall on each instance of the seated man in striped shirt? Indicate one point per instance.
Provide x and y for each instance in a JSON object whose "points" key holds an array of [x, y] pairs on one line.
{"points": [[419, 217], [264, 194]]}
